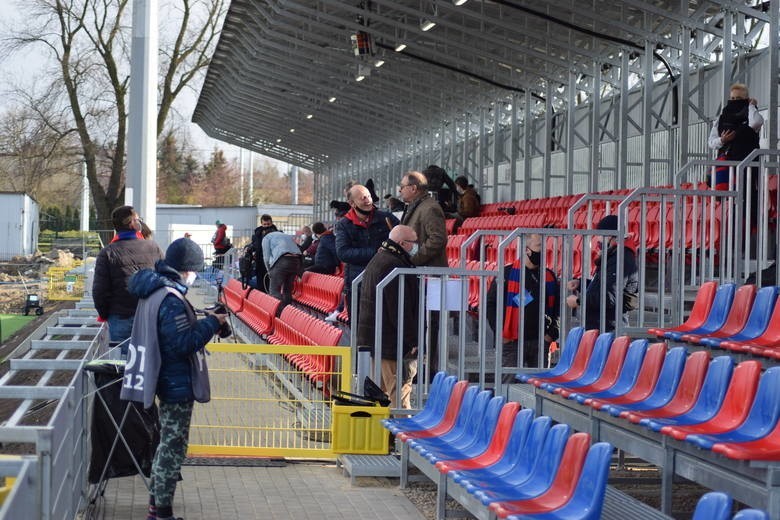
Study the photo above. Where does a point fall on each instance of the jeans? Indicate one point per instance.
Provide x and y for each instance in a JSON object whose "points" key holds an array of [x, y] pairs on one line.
{"points": [[119, 330], [282, 276]]}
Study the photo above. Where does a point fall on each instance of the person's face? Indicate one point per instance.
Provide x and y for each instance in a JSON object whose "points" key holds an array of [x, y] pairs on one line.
{"points": [[136, 222], [533, 251], [361, 198], [407, 191], [266, 223], [409, 241], [737, 93]]}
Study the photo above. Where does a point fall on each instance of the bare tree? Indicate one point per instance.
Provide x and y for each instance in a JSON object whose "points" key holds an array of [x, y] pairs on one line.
{"points": [[88, 43]]}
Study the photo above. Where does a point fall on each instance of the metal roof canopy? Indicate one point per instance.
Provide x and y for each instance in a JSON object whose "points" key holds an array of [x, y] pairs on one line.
{"points": [[282, 80]]}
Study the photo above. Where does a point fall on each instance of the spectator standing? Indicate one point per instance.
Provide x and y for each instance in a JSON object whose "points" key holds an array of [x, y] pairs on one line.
{"points": [[425, 215], [304, 236], [359, 235], [113, 267], [266, 226], [629, 284], [532, 306], [734, 135], [394, 252], [325, 260], [173, 338], [221, 244], [282, 258], [468, 200]]}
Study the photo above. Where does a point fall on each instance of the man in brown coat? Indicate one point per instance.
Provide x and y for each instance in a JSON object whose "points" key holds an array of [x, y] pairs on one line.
{"points": [[468, 202], [424, 215]]}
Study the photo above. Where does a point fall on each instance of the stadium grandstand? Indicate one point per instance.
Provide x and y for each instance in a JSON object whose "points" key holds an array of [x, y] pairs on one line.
{"points": [[560, 113]]}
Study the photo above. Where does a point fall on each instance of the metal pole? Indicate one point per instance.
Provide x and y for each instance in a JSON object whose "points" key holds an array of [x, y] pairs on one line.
{"points": [[241, 174], [251, 190], [84, 198], [142, 118]]}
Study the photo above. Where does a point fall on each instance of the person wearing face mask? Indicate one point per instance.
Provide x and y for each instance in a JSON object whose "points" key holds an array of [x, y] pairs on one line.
{"points": [[629, 285], [359, 235], [172, 338], [114, 265], [396, 251], [530, 301]]}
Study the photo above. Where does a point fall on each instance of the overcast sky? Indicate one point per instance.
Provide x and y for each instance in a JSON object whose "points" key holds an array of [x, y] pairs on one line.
{"points": [[25, 67]]}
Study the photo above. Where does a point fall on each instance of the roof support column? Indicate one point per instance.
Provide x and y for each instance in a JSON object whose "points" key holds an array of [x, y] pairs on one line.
{"points": [[774, 72], [595, 141], [571, 109], [527, 122], [622, 160], [514, 149], [496, 146], [728, 53], [647, 112], [685, 92], [482, 152], [548, 140]]}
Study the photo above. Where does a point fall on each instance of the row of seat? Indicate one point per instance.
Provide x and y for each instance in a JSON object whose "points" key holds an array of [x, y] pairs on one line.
{"points": [[513, 463], [503, 222], [319, 291], [293, 326], [710, 403], [742, 319]]}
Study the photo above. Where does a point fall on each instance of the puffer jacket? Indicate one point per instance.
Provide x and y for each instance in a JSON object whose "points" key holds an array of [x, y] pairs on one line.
{"points": [[114, 265], [357, 243], [178, 337]]}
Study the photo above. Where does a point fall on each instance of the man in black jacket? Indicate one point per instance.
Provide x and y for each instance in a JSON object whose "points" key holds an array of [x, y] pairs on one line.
{"points": [[114, 265], [628, 285], [394, 252], [266, 226]]}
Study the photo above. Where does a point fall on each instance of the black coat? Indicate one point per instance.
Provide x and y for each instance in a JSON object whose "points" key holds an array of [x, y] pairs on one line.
{"points": [[630, 283], [390, 256]]}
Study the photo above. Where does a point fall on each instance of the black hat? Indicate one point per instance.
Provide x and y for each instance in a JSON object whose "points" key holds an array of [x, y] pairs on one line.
{"points": [[184, 255], [608, 222]]}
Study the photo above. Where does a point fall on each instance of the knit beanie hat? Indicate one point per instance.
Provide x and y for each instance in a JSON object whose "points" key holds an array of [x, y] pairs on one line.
{"points": [[184, 255], [608, 222]]}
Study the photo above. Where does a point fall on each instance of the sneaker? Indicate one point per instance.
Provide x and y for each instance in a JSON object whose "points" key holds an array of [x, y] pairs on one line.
{"points": [[333, 316]]}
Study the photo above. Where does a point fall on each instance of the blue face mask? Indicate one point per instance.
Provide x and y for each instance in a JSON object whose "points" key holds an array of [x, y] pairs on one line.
{"points": [[415, 248]]}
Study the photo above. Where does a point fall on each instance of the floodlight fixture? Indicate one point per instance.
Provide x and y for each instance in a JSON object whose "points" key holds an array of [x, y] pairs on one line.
{"points": [[400, 47], [331, 99], [309, 116], [426, 24], [458, 3], [379, 63]]}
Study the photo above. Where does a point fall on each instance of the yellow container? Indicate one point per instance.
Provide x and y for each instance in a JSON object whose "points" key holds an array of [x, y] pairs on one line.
{"points": [[358, 429]]}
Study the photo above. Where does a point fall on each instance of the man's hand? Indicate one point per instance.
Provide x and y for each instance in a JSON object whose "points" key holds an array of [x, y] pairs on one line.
{"points": [[572, 302], [221, 318], [573, 285], [727, 136]]}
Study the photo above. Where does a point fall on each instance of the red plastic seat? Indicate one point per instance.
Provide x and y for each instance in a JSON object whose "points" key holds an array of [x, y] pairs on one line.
{"points": [[496, 448], [769, 339], [766, 448], [699, 312], [448, 419], [233, 295], [735, 407], [259, 311], [579, 364], [645, 381], [686, 394], [612, 368], [737, 318], [562, 488]]}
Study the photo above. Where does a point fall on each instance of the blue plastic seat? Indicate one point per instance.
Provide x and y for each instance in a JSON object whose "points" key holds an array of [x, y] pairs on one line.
{"points": [[432, 412], [761, 420], [595, 365], [758, 320], [462, 421], [627, 379], [721, 305], [524, 462], [710, 399], [713, 506], [665, 387], [751, 514], [587, 501], [517, 438], [540, 477], [469, 446], [567, 357]]}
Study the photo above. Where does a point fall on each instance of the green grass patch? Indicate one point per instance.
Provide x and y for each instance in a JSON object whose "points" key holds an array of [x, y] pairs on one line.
{"points": [[10, 323]]}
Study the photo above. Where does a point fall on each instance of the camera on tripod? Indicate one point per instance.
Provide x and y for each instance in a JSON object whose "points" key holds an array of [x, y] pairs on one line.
{"points": [[224, 329]]}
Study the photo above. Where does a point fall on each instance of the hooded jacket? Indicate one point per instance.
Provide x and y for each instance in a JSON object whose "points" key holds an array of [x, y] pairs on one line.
{"points": [[177, 337], [630, 284]]}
